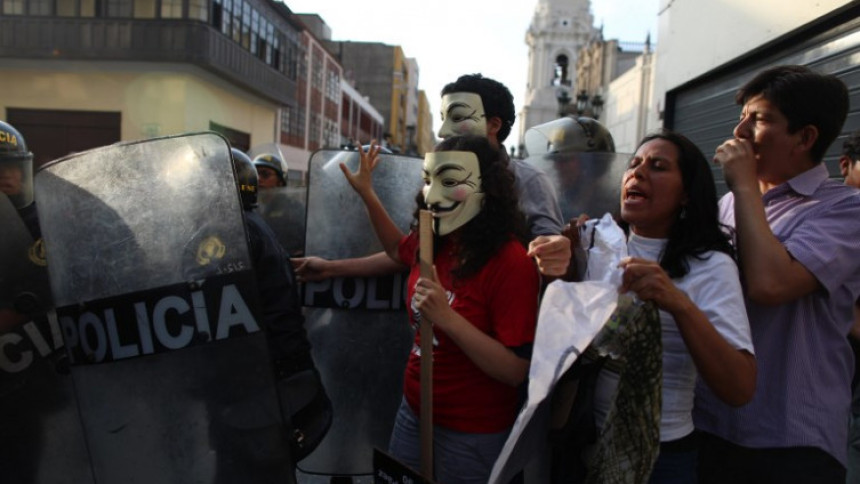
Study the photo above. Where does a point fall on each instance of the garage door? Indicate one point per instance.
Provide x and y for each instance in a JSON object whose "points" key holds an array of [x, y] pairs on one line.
{"points": [[704, 109]]}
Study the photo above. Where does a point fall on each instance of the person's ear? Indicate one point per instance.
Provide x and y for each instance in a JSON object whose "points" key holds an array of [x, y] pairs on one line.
{"points": [[494, 125], [844, 164], [808, 137]]}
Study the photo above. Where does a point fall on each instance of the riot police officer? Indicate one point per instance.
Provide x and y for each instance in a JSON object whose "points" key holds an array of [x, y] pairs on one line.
{"points": [[270, 171], [300, 389], [16, 175], [34, 381], [284, 214]]}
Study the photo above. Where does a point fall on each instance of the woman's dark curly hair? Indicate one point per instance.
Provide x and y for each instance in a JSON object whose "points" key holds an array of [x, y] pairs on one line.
{"points": [[699, 230], [500, 218]]}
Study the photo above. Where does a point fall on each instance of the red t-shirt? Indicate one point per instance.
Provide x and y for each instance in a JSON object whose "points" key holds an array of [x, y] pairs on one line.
{"points": [[501, 300]]}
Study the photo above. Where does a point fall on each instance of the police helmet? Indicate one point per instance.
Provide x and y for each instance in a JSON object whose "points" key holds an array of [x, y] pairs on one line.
{"points": [[569, 135], [16, 166], [246, 178], [272, 162]]}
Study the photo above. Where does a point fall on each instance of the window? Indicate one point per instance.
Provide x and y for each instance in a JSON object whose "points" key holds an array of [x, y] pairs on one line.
{"points": [[561, 76], [316, 73], [255, 32], [145, 9], [246, 25], [119, 8], [198, 10], [314, 131], [66, 9], [88, 8], [41, 7], [237, 21], [171, 8], [13, 7], [333, 86]]}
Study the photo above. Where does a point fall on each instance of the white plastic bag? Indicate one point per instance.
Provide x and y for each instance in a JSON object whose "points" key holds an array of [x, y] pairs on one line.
{"points": [[571, 314]]}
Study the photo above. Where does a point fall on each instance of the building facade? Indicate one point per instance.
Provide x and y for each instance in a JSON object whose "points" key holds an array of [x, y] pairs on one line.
{"points": [[78, 74], [382, 72]]}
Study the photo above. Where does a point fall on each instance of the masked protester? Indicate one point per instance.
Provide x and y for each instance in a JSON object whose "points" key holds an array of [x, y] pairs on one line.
{"points": [[479, 106], [482, 302]]}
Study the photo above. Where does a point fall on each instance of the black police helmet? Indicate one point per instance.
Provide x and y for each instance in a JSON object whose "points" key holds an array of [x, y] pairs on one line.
{"points": [[273, 162], [16, 166], [246, 178]]}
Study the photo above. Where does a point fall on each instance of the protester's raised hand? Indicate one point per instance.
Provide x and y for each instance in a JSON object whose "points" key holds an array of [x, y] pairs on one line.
{"points": [[362, 180]]}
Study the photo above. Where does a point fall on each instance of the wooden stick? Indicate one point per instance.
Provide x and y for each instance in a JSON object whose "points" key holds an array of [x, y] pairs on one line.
{"points": [[425, 265]]}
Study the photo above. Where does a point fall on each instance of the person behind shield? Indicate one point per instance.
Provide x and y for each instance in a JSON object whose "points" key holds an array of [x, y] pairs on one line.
{"points": [[481, 300], [270, 171], [682, 261], [300, 389], [284, 215]]}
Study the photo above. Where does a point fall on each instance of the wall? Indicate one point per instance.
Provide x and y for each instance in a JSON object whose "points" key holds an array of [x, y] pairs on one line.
{"points": [[154, 99], [629, 105], [696, 36]]}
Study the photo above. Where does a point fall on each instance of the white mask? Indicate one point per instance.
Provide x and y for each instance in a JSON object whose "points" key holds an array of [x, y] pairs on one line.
{"points": [[462, 113], [452, 189]]}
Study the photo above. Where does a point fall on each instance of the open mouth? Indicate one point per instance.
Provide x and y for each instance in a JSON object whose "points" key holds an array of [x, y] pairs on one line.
{"points": [[634, 195]]}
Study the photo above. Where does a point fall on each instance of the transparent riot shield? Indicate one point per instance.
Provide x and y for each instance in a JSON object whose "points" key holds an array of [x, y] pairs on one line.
{"points": [[283, 208], [156, 302], [41, 438], [358, 327], [586, 183], [579, 157]]}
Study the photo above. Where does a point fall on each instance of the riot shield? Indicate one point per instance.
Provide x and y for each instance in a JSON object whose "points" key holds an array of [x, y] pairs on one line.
{"points": [[156, 303], [283, 208], [41, 438], [588, 183], [580, 160], [358, 327], [23, 278]]}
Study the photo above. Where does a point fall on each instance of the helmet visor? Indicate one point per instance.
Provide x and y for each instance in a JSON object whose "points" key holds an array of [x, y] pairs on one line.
{"points": [[16, 180]]}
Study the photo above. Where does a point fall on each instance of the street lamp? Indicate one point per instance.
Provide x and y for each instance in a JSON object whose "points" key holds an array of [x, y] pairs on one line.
{"points": [[581, 102], [564, 100], [589, 105], [597, 106]]}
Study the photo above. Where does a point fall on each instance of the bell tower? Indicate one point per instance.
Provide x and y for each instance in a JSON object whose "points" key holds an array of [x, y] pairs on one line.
{"points": [[558, 30]]}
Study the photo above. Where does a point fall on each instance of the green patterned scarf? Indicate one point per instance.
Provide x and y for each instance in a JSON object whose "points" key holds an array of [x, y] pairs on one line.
{"points": [[628, 445]]}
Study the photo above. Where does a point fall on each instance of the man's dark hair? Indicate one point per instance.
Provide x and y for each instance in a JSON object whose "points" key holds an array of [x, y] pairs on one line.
{"points": [[699, 230], [805, 97], [500, 218], [496, 98], [851, 146]]}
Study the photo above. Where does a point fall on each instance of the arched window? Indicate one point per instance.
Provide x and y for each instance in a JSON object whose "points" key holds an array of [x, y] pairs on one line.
{"points": [[561, 72]]}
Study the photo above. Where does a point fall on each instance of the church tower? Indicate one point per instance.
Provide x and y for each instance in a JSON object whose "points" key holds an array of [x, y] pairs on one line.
{"points": [[558, 30]]}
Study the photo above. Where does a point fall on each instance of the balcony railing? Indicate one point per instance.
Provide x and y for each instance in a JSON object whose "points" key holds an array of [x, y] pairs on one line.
{"points": [[180, 40]]}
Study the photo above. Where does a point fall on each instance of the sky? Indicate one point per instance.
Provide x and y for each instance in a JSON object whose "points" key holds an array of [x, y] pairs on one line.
{"points": [[449, 38]]}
